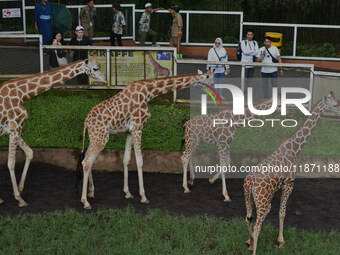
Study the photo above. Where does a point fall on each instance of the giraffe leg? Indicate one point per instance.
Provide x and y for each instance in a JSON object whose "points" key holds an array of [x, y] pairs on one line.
{"points": [[224, 161], [137, 136], [192, 173], [126, 160], [249, 205], [185, 161], [29, 156], [214, 178], [13, 142], [90, 157], [286, 191], [261, 215], [91, 185]]}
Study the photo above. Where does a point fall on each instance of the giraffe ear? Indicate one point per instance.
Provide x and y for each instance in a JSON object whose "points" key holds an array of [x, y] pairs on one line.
{"points": [[94, 55], [199, 71]]}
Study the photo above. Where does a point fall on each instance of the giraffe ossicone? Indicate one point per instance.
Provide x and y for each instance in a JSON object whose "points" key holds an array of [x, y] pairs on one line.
{"points": [[127, 112], [14, 93], [259, 187]]}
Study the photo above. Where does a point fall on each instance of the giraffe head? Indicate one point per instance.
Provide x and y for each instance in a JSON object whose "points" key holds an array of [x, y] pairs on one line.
{"points": [[206, 79], [92, 67], [332, 104]]}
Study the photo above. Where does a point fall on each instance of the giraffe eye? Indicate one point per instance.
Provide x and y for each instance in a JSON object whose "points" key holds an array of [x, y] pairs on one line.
{"points": [[95, 69]]}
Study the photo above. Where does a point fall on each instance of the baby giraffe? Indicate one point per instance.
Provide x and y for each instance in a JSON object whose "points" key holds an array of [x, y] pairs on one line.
{"points": [[201, 129], [260, 186]]}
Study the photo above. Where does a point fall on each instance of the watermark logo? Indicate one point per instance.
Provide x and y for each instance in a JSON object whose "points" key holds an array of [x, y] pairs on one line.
{"points": [[238, 100]]}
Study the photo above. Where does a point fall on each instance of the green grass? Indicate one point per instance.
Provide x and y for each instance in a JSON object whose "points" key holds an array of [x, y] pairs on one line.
{"points": [[56, 120], [156, 232]]}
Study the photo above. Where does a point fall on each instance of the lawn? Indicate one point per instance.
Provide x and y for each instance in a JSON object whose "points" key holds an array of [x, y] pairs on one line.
{"points": [[56, 120], [156, 232]]}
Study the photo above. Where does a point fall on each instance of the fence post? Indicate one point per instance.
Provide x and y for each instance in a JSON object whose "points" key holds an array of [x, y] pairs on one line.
{"points": [[108, 68], [187, 29], [41, 54], [311, 86], [243, 71], [295, 39]]}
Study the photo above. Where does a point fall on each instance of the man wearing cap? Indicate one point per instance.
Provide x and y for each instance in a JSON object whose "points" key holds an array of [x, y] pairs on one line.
{"points": [[87, 15], [176, 27], [144, 25], [118, 25], [80, 40]]}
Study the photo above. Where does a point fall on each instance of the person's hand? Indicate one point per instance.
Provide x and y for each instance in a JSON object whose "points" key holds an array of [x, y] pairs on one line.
{"points": [[36, 27], [227, 71], [55, 42], [179, 33], [281, 71], [123, 27]]}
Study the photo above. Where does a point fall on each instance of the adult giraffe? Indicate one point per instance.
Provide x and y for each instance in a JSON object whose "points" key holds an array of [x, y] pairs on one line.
{"points": [[13, 95], [128, 112], [259, 187]]}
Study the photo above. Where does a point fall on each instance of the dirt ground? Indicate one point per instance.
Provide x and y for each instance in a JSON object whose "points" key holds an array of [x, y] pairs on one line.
{"points": [[314, 204]]}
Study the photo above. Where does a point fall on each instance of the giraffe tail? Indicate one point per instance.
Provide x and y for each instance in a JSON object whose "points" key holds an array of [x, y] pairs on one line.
{"points": [[79, 169]]}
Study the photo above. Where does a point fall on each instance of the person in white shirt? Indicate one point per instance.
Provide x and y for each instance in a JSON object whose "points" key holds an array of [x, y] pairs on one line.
{"points": [[218, 53], [266, 55], [249, 49]]}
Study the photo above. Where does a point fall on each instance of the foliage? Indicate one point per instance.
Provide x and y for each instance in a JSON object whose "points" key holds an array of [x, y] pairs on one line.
{"points": [[156, 232]]}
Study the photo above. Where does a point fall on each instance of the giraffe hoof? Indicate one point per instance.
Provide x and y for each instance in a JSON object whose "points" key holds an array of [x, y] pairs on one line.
{"points": [[248, 242], [145, 201], [281, 244], [90, 194], [191, 182], [22, 203], [227, 200], [1, 201], [211, 180], [129, 196], [187, 191], [88, 207]]}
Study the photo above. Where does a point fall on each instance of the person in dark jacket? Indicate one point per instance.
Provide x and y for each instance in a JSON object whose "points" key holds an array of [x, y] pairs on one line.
{"points": [[57, 39], [80, 40]]}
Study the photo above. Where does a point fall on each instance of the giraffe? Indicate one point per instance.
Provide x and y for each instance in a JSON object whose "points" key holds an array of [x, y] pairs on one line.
{"points": [[201, 129], [158, 69], [260, 186], [13, 95], [127, 112]]}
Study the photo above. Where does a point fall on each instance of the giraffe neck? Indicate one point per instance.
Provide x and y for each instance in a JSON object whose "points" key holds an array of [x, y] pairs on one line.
{"points": [[153, 62], [161, 86], [37, 84], [301, 136]]}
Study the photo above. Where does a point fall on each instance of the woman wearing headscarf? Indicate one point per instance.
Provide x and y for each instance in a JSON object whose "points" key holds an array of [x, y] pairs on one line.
{"points": [[43, 15], [218, 53]]}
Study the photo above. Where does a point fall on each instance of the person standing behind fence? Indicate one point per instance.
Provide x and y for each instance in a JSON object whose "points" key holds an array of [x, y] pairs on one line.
{"points": [[176, 27], [57, 57], [249, 49], [87, 16], [268, 54], [118, 25], [42, 20], [80, 40], [144, 25], [218, 53]]}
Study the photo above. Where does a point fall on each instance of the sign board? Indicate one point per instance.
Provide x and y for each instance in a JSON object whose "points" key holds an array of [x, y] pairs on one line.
{"points": [[133, 65], [11, 13]]}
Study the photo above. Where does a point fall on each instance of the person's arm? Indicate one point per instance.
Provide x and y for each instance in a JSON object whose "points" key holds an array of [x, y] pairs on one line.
{"points": [[227, 67], [142, 19], [246, 50], [260, 58], [180, 25], [36, 16], [280, 61], [157, 9], [82, 14], [123, 22]]}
